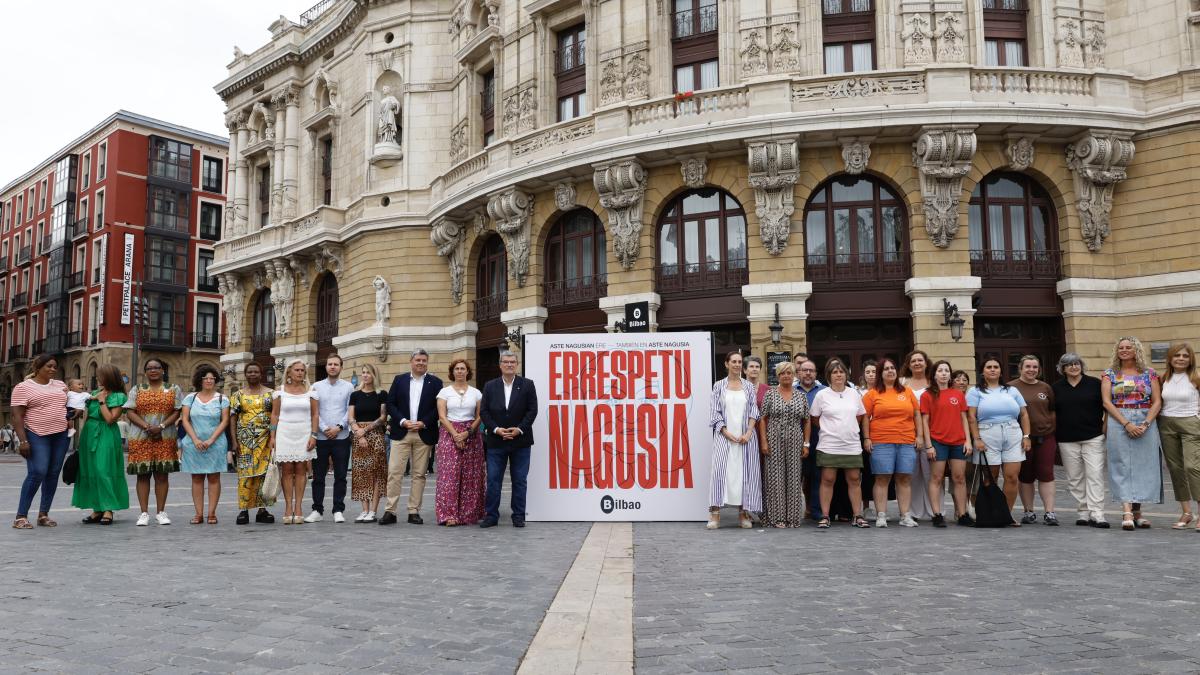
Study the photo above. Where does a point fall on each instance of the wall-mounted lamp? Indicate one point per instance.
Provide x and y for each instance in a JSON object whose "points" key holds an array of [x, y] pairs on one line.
{"points": [[621, 326], [776, 328], [512, 337], [952, 319]]}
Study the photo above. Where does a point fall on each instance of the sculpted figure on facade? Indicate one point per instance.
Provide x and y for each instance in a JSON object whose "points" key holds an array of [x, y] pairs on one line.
{"points": [[754, 54], [564, 196], [917, 37], [1098, 163], [695, 171], [1020, 153], [265, 130], [493, 12], [855, 153], [389, 113], [637, 72], [1070, 51], [450, 237], [942, 156], [383, 300], [621, 185], [329, 259], [786, 50], [773, 173], [512, 211], [283, 294], [1094, 44], [951, 41], [230, 286], [527, 115], [611, 79]]}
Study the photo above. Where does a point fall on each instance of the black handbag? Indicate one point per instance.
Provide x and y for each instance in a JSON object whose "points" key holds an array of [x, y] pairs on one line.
{"points": [[991, 506], [70, 470]]}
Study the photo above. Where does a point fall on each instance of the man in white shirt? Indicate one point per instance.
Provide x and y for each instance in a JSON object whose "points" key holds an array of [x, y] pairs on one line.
{"points": [[412, 406], [333, 440]]}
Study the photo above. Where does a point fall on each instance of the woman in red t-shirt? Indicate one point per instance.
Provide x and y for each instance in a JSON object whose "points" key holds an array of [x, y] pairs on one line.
{"points": [[944, 415]]}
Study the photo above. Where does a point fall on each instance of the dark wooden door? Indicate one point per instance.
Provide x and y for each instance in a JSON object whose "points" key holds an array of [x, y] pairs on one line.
{"points": [[856, 342], [1008, 339]]}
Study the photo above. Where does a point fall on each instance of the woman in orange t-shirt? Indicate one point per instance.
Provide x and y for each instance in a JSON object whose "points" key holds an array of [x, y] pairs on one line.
{"points": [[894, 434]]}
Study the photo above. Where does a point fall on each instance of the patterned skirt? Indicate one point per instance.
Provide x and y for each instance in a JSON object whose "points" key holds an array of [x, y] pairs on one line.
{"points": [[461, 477], [369, 467]]}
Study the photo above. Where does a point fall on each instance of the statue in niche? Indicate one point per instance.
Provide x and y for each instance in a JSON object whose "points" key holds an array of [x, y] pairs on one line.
{"points": [[389, 110], [383, 301]]}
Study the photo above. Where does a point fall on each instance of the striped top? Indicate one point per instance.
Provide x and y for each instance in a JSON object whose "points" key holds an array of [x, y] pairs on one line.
{"points": [[45, 405]]}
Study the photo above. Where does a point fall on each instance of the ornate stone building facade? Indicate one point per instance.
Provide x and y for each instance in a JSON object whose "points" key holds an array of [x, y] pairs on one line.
{"points": [[440, 174]]}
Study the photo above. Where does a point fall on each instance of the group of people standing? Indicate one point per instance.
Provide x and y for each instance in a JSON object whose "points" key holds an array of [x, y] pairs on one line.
{"points": [[827, 450], [294, 430]]}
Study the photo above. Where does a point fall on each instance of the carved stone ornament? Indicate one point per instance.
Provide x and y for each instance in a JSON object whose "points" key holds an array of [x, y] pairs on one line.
{"points": [[773, 173], [1070, 51], [230, 285], [331, 86], [512, 114], [1020, 153], [1098, 162], [917, 37], [493, 12], [383, 300], [458, 141], [329, 259], [785, 51], [527, 113], [564, 196], [622, 188], [754, 54], [951, 40], [512, 210], [695, 171], [1094, 44], [481, 221], [611, 79], [942, 156], [283, 294], [450, 237], [637, 81], [855, 153]]}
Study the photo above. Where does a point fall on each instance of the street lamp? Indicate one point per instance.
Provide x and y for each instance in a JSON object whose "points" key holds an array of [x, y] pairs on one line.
{"points": [[776, 328], [621, 326], [951, 318]]}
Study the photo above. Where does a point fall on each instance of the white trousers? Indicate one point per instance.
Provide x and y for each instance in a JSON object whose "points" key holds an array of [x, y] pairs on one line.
{"points": [[1086, 475]]}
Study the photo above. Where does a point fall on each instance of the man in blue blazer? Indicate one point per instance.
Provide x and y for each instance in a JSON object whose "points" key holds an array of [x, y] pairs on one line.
{"points": [[412, 407], [508, 409]]}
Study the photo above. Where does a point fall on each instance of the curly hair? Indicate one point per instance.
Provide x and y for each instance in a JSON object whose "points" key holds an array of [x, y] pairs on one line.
{"points": [[202, 371], [1139, 353], [455, 362]]}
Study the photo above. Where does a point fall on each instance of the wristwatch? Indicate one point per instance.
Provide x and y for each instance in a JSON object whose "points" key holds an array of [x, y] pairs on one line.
{"points": [[1025, 436], [314, 434], [806, 444]]}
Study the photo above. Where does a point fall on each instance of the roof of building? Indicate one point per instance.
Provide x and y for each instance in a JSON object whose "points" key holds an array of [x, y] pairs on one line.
{"points": [[119, 116]]}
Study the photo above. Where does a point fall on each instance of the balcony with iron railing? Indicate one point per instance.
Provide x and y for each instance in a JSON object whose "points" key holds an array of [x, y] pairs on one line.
{"points": [[326, 331], [16, 353], [313, 13], [44, 292], [163, 338], [570, 59], [3, 264], [207, 339], [79, 228], [713, 275], [207, 284], [24, 255], [94, 336], [694, 22], [168, 223], [39, 346], [74, 339], [857, 268], [488, 308], [262, 344], [1044, 266], [75, 281], [578, 291], [20, 300]]}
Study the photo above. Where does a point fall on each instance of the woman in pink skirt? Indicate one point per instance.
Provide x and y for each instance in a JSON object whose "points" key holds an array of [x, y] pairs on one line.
{"points": [[461, 459]]}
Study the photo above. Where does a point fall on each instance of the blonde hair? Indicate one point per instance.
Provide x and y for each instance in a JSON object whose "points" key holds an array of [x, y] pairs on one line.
{"points": [[1190, 372], [1139, 354], [783, 367], [286, 373], [374, 377]]}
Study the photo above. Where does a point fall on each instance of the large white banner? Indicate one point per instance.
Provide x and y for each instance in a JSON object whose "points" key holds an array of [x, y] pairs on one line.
{"points": [[622, 427], [103, 278], [127, 279]]}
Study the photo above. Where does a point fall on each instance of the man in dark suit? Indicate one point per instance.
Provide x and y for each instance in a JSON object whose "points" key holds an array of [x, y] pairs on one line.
{"points": [[412, 406], [508, 409]]}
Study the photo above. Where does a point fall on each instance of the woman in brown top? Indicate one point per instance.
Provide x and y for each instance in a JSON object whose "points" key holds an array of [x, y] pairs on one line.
{"points": [[1039, 461]]}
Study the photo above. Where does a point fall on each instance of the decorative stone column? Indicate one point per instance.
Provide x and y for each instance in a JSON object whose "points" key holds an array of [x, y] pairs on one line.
{"points": [[291, 151], [450, 237], [614, 307], [621, 184], [1097, 161], [791, 298], [942, 156], [232, 121], [928, 313], [241, 181], [279, 109], [511, 210], [773, 173]]}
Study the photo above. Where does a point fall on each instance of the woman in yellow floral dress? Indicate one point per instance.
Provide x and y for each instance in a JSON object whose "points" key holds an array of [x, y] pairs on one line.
{"points": [[152, 410], [251, 410]]}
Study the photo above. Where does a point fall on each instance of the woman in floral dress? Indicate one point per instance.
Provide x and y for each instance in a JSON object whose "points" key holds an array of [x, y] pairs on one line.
{"points": [[251, 413], [153, 409]]}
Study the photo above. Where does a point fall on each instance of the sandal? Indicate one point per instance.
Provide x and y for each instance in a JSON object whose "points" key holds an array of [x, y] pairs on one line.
{"points": [[93, 519], [196, 520], [21, 524], [744, 521], [1184, 521], [1127, 521], [106, 520], [859, 521], [45, 520], [823, 524], [212, 520], [1142, 523], [714, 520]]}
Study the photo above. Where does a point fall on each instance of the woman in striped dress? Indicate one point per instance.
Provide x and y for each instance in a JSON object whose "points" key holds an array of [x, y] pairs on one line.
{"points": [[736, 471]]}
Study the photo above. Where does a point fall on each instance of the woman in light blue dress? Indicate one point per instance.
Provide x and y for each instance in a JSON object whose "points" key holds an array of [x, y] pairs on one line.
{"points": [[205, 417]]}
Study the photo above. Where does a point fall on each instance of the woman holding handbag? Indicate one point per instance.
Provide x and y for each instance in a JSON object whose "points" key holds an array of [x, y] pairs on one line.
{"points": [[1000, 427], [368, 425], [203, 447], [250, 415], [460, 482], [101, 484]]}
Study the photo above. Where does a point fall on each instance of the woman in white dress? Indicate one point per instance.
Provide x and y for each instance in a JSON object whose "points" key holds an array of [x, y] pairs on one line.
{"points": [[293, 437], [736, 469]]}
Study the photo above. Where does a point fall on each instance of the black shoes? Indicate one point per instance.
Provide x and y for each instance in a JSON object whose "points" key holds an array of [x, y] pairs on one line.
{"points": [[966, 520], [1101, 524], [939, 520], [264, 516], [487, 523], [415, 519], [388, 518], [1083, 522], [518, 523], [243, 518]]}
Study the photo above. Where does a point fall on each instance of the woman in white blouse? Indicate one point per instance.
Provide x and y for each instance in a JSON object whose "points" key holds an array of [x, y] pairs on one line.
{"points": [[460, 453], [293, 437], [1179, 428]]}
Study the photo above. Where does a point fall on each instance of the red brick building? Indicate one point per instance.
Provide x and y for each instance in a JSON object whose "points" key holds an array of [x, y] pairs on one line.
{"points": [[106, 244]]}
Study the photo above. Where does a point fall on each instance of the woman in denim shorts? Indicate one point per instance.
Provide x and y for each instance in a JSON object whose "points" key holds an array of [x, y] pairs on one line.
{"points": [[947, 434], [1000, 426], [892, 436]]}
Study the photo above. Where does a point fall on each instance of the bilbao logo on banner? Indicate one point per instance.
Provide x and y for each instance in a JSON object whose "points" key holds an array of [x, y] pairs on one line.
{"points": [[622, 431]]}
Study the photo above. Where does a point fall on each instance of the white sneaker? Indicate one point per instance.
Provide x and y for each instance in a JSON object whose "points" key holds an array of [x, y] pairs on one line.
{"points": [[362, 517], [162, 518], [908, 521], [143, 520], [338, 517], [314, 517], [881, 520], [370, 517]]}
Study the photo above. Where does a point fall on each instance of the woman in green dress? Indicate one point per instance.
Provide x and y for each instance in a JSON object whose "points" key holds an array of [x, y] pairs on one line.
{"points": [[101, 485], [250, 412]]}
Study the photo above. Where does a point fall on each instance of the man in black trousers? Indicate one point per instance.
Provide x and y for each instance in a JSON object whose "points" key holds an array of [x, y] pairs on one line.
{"points": [[508, 409]]}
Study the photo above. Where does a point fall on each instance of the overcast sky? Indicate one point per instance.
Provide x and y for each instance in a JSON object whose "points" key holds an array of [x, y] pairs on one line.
{"points": [[71, 63]]}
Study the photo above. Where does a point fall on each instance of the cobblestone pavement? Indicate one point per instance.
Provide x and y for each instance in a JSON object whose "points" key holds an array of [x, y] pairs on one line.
{"points": [[1029, 600], [260, 598]]}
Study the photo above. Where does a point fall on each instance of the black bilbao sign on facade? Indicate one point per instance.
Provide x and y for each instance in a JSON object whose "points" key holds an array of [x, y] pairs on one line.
{"points": [[774, 359], [637, 317]]}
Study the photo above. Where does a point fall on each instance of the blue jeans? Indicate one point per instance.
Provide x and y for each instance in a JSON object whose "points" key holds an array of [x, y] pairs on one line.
{"points": [[339, 450], [497, 459], [893, 458], [46, 455]]}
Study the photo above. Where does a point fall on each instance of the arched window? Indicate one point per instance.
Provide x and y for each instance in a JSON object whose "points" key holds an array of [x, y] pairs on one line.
{"points": [[702, 243], [327, 310], [1012, 229], [491, 281], [263, 336], [576, 260], [855, 231]]}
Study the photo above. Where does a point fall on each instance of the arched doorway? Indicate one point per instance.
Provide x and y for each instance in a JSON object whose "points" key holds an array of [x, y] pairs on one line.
{"points": [[703, 262], [491, 298], [262, 337], [857, 258], [576, 264], [327, 321], [1013, 231]]}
